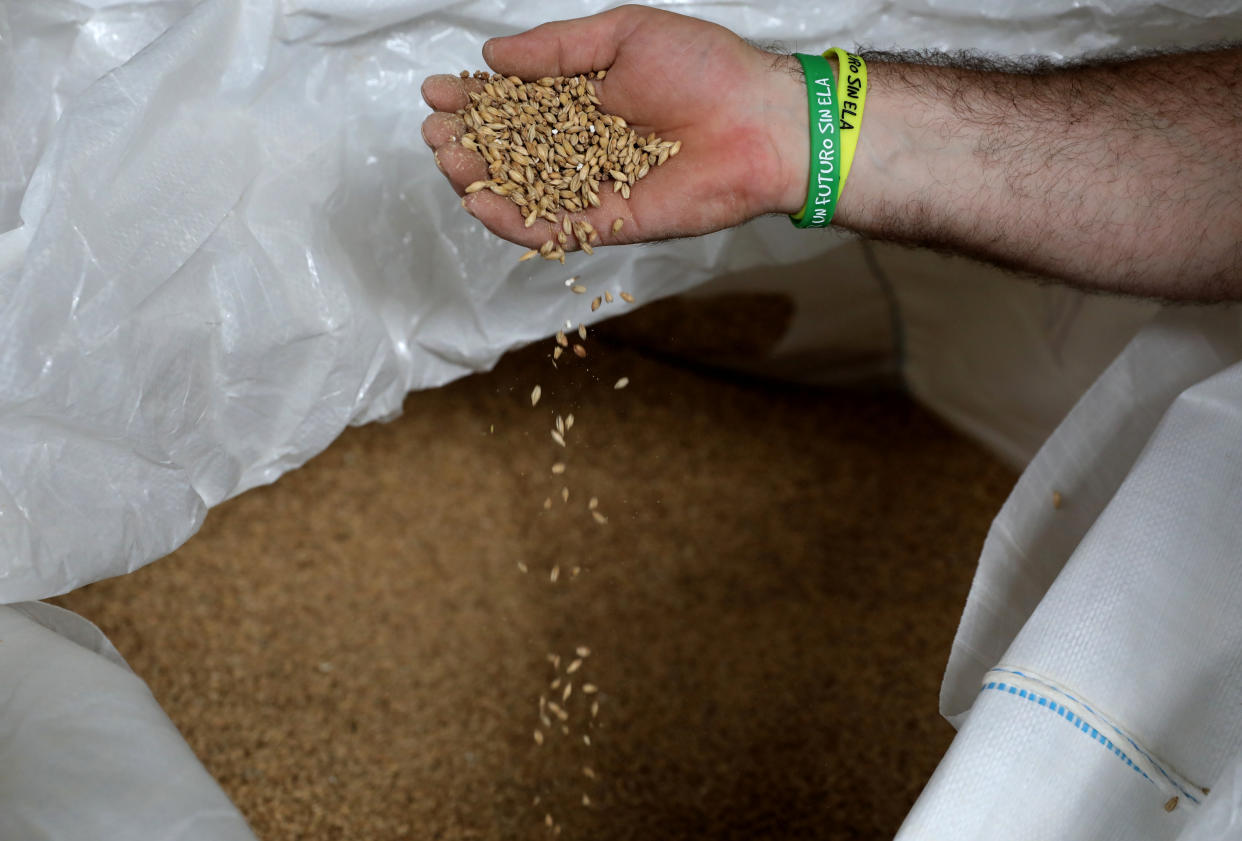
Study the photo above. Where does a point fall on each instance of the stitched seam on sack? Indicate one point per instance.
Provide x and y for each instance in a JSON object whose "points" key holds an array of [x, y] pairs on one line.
{"points": [[1082, 725]]}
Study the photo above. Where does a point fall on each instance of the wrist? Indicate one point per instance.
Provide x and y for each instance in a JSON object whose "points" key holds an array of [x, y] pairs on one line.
{"points": [[789, 143]]}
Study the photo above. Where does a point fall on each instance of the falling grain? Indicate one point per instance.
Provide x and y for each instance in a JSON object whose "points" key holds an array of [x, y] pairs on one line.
{"points": [[616, 224], [558, 438], [579, 351], [590, 688], [582, 651], [1056, 499], [558, 468], [621, 383], [535, 394], [595, 304], [574, 666], [582, 332], [593, 503], [599, 518], [555, 573], [539, 737]]}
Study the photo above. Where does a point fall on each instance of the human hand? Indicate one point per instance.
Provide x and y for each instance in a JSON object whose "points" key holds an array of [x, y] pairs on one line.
{"points": [[740, 113]]}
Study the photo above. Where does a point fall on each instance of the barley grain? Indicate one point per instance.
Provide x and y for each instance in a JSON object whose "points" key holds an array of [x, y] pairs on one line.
{"points": [[569, 690], [535, 393], [558, 468], [621, 383], [547, 503], [555, 573], [558, 438], [599, 518], [1056, 499], [595, 304], [531, 253], [578, 289], [586, 801], [557, 351], [476, 186], [565, 495], [560, 338], [608, 297], [586, 740], [569, 421], [1171, 804], [579, 351], [588, 772], [582, 332], [594, 709], [521, 566], [539, 737], [582, 651], [590, 688], [627, 297]]}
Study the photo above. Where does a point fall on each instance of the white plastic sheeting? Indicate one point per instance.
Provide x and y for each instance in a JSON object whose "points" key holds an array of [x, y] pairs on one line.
{"points": [[85, 751], [222, 241], [1096, 673]]}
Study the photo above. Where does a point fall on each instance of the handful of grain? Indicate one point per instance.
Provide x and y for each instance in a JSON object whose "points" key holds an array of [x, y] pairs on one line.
{"points": [[548, 148]]}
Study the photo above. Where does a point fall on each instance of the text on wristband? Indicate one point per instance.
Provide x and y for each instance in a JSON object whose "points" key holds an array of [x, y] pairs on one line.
{"points": [[826, 174]]}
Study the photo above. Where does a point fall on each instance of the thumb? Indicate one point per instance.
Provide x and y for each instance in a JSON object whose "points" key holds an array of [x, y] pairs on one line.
{"points": [[563, 47]]}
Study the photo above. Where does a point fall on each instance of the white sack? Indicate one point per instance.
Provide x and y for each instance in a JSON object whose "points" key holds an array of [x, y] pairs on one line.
{"points": [[1098, 666], [85, 750]]}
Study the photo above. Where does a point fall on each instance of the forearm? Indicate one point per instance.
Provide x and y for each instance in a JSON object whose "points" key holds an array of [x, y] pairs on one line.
{"points": [[1125, 177]]}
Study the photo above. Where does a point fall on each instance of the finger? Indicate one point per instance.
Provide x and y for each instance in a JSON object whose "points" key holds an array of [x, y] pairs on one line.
{"points": [[503, 218], [449, 93], [462, 166], [562, 48], [441, 128]]}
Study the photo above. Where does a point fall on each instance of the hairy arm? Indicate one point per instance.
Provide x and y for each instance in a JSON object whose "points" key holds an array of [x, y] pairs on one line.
{"points": [[1125, 176]]}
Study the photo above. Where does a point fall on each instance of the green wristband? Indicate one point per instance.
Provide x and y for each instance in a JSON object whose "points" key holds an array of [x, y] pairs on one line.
{"points": [[824, 118]]}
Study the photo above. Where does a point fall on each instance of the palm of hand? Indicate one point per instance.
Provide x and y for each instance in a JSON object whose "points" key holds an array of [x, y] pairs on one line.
{"points": [[678, 77]]}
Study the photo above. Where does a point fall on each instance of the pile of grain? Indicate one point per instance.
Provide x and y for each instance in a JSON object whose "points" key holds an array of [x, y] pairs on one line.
{"points": [[549, 148]]}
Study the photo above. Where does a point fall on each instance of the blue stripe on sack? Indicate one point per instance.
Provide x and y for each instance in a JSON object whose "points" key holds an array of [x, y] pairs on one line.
{"points": [[1073, 719], [1079, 723]]}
